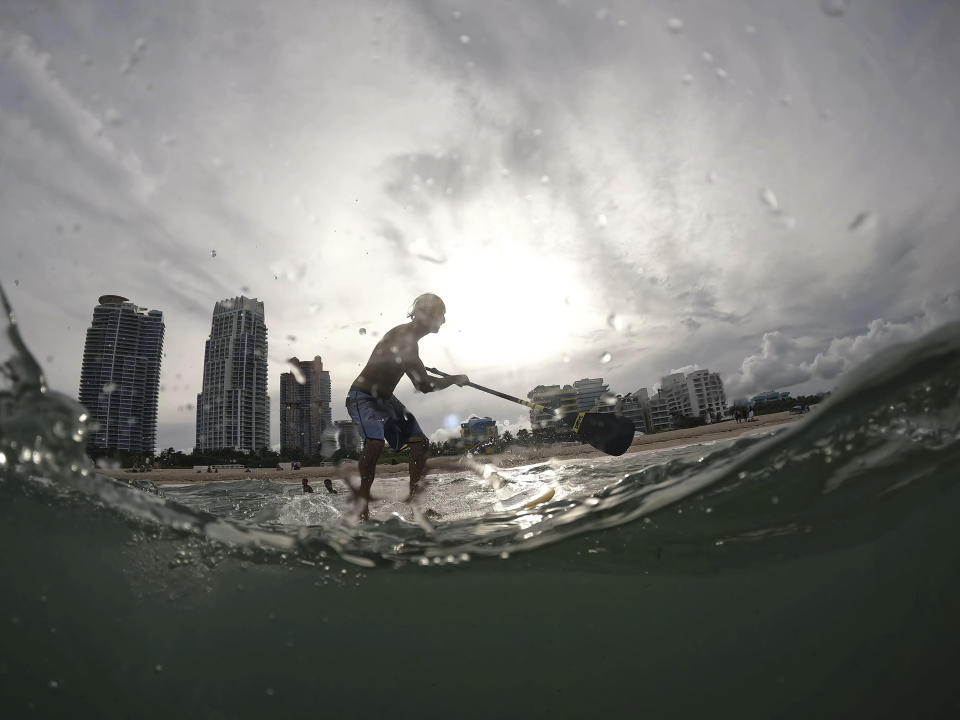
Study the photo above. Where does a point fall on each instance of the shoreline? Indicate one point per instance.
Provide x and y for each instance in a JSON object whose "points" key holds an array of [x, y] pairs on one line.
{"points": [[511, 458]]}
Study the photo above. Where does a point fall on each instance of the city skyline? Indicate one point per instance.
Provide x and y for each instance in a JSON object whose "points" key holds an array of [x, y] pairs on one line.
{"points": [[306, 390]]}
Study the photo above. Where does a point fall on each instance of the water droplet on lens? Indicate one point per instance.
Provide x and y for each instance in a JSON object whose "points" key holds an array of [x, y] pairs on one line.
{"points": [[363, 331], [834, 8], [292, 338], [544, 179], [601, 220], [768, 198], [605, 358], [750, 29], [213, 253], [465, 39], [109, 388], [721, 73], [686, 79], [711, 177], [787, 221], [707, 56], [615, 322], [674, 24], [863, 221]]}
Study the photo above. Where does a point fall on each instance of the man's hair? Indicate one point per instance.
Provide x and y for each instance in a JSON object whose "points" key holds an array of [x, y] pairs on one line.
{"points": [[429, 303]]}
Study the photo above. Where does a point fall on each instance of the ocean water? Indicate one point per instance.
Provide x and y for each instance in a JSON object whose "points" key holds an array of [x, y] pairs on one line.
{"points": [[810, 572]]}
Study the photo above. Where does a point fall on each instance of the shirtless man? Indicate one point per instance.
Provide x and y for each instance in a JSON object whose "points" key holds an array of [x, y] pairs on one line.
{"points": [[376, 412]]}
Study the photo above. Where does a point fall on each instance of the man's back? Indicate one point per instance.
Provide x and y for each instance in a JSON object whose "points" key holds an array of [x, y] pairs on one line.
{"points": [[391, 357]]}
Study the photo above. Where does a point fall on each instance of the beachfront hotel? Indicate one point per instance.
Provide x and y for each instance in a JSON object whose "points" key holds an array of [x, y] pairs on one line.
{"points": [[120, 375], [699, 393], [233, 409], [305, 406]]}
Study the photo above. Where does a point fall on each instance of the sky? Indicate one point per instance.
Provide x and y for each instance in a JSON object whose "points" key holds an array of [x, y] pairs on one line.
{"points": [[596, 189]]}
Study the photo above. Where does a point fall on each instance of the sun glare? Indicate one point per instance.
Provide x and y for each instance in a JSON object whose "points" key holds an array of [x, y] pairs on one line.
{"points": [[526, 309]]}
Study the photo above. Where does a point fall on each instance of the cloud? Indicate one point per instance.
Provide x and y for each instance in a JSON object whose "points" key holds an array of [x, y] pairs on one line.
{"points": [[784, 361]]}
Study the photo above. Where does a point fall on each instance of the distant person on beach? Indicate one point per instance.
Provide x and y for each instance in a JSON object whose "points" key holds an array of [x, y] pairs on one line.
{"points": [[378, 415], [306, 487], [328, 484]]}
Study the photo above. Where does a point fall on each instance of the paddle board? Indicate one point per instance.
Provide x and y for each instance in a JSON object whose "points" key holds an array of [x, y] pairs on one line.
{"points": [[546, 497]]}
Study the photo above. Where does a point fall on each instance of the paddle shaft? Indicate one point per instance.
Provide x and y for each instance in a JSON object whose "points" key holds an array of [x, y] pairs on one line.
{"points": [[607, 432], [499, 394]]}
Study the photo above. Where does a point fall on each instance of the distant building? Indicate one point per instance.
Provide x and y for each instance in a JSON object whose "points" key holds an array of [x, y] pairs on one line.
{"points": [[348, 436], [590, 394], [707, 396], [477, 430], [559, 401], [697, 394], [233, 408], [635, 407], [120, 375], [304, 406], [660, 416]]}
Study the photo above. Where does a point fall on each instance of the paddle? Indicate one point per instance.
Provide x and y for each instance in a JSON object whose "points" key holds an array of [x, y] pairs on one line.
{"points": [[607, 432]]}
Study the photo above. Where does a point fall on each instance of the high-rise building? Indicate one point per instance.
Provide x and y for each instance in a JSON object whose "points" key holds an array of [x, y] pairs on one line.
{"points": [[706, 394], [559, 401], [233, 409], [347, 436], [120, 375], [592, 395], [635, 407], [304, 406], [660, 417]]}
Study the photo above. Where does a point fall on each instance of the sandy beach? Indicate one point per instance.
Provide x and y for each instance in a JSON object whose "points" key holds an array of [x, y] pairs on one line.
{"points": [[516, 455]]}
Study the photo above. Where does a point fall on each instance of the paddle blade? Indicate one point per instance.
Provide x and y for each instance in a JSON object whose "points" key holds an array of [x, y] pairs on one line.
{"points": [[607, 432]]}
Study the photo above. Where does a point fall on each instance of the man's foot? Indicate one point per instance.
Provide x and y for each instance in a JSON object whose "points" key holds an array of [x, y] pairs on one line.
{"points": [[415, 489]]}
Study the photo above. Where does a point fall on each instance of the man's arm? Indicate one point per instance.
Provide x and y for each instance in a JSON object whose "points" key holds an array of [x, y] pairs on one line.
{"points": [[428, 383]]}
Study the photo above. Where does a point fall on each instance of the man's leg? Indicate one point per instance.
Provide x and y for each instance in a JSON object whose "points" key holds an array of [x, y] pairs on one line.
{"points": [[368, 469], [418, 464]]}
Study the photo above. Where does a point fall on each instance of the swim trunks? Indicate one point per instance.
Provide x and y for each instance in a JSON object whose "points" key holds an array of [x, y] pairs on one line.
{"points": [[383, 419]]}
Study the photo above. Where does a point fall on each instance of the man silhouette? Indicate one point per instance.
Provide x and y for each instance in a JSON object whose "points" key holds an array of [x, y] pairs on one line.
{"points": [[378, 415]]}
